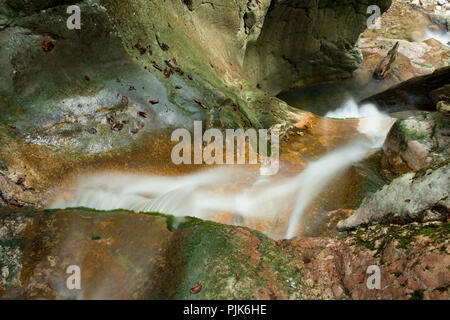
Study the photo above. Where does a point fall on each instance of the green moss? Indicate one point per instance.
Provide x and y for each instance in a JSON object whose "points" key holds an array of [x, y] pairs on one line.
{"points": [[410, 133], [216, 257], [423, 172], [404, 241], [404, 235], [417, 295], [11, 243], [442, 289]]}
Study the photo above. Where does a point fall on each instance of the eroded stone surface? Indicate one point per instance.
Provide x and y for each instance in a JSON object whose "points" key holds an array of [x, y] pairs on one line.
{"points": [[417, 142], [134, 256], [405, 199], [124, 255], [413, 260]]}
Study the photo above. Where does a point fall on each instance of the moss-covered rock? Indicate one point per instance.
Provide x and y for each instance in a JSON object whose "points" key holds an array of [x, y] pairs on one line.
{"points": [[124, 255], [417, 142], [307, 42], [405, 199]]}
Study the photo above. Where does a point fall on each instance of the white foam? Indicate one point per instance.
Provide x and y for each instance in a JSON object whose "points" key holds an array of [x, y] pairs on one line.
{"points": [[373, 123]]}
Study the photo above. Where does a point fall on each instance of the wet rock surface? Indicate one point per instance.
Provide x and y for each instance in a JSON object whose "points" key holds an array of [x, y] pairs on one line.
{"points": [[413, 261], [405, 199], [124, 255], [413, 94], [417, 142]]}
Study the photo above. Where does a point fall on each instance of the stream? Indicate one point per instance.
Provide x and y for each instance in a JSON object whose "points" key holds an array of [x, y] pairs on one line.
{"points": [[315, 177]]}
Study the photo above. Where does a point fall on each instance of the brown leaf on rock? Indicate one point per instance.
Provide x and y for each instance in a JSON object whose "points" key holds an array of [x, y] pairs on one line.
{"points": [[156, 66], [200, 103], [140, 48], [117, 127], [196, 289], [48, 45], [179, 71], [164, 47], [167, 73], [167, 62], [110, 119]]}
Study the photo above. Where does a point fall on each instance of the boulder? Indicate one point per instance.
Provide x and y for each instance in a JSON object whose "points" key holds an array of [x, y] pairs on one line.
{"points": [[415, 93], [306, 43], [123, 255], [417, 142], [405, 199]]}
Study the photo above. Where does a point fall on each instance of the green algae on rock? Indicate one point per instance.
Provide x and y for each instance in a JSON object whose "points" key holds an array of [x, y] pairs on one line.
{"points": [[405, 199], [417, 142], [125, 255]]}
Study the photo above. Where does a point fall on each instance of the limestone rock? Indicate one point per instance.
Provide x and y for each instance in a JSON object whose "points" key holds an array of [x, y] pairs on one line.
{"points": [[416, 142], [405, 199], [124, 255], [415, 93]]}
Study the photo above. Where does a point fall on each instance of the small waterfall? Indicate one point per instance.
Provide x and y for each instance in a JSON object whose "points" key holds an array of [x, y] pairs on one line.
{"points": [[439, 35], [208, 192], [317, 176], [177, 196], [196, 195], [372, 122]]}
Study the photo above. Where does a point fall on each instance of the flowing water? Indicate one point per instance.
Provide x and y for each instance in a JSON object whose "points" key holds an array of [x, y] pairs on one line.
{"points": [[440, 35], [237, 194]]}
